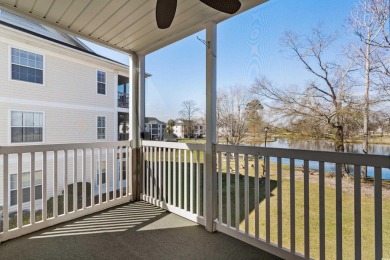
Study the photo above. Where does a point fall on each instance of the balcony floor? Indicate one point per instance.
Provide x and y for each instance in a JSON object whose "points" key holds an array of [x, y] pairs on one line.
{"points": [[130, 231]]}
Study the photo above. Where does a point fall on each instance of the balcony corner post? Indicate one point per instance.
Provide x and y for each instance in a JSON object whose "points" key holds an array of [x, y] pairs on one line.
{"points": [[135, 114], [211, 129]]}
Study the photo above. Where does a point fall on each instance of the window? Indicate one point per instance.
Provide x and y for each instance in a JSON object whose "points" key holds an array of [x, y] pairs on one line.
{"points": [[101, 127], [26, 127], [25, 186], [26, 66], [103, 169], [101, 82]]}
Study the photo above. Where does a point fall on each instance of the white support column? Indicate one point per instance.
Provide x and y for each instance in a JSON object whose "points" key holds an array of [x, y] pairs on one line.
{"points": [[211, 132], [141, 59], [135, 172], [133, 107]]}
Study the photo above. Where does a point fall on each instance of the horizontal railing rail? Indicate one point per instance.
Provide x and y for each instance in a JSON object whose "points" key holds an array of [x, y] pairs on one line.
{"points": [[334, 157], [261, 191], [43, 185]]}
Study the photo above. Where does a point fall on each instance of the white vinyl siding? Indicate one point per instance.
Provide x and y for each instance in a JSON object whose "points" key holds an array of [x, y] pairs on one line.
{"points": [[26, 66], [26, 127]]}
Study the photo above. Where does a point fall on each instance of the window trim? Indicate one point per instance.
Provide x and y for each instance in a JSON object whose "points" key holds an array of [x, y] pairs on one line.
{"points": [[32, 51], [105, 127], [97, 82], [30, 111]]}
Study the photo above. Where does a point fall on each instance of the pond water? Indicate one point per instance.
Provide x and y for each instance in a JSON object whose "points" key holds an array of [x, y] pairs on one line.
{"points": [[321, 145]]}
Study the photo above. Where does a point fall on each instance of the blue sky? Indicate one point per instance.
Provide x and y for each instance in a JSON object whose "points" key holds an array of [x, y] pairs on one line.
{"points": [[248, 47]]}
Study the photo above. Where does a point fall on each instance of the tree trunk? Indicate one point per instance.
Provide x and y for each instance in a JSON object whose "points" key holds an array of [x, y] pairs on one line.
{"points": [[339, 139], [366, 107]]}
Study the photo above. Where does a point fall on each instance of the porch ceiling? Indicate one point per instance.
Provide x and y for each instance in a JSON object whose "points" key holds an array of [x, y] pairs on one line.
{"points": [[125, 25]]}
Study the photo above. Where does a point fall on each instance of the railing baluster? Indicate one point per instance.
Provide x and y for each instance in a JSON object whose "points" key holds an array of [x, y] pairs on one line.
{"points": [[114, 171], [107, 177], [164, 191], [339, 213], [155, 174], [151, 172], [129, 169], [378, 212], [66, 182], [198, 183], [257, 202], [147, 165], [185, 182], [144, 169], [84, 179], [220, 201], [100, 175], [174, 178], [280, 199], [267, 200], [246, 194], [75, 180], [180, 182], [32, 188], [357, 211], [237, 191], [169, 191], [5, 193], [93, 170], [20, 191], [228, 197], [159, 176], [306, 207], [292, 205], [121, 171], [191, 182], [55, 184], [44, 186], [322, 208]]}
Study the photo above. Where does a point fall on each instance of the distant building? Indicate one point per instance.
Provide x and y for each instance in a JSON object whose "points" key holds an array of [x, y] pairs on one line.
{"points": [[180, 131], [154, 128]]}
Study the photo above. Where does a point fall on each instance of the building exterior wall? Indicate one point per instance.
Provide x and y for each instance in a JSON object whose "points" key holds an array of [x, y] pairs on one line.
{"points": [[67, 98]]}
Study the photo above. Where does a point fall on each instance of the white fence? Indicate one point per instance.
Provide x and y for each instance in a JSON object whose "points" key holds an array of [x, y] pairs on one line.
{"points": [[43, 185], [246, 160], [173, 178]]}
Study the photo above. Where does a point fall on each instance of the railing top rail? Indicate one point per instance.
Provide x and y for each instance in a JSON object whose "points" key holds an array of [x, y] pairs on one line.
{"points": [[184, 146], [382, 161], [59, 147]]}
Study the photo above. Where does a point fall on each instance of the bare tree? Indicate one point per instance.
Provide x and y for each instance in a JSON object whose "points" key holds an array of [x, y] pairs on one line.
{"points": [[325, 101], [187, 113], [368, 20], [231, 113]]}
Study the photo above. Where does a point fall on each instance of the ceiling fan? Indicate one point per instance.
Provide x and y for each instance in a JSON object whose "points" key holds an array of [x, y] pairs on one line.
{"points": [[166, 9]]}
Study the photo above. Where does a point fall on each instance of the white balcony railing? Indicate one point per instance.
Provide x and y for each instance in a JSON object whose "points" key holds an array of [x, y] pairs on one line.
{"points": [[173, 178], [100, 171], [291, 203], [276, 199]]}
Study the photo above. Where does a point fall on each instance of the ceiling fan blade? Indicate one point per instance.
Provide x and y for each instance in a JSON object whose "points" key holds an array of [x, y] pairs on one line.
{"points": [[226, 6], [165, 12]]}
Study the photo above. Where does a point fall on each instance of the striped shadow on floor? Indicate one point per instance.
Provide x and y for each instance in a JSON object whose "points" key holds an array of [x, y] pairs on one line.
{"points": [[118, 219]]}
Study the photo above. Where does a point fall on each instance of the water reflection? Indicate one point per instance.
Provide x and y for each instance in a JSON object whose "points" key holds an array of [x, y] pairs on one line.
{"points": [[322, 145]]}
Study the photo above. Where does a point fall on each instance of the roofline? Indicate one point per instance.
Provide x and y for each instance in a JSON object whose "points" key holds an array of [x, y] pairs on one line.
{"points": [[59, 42]]}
